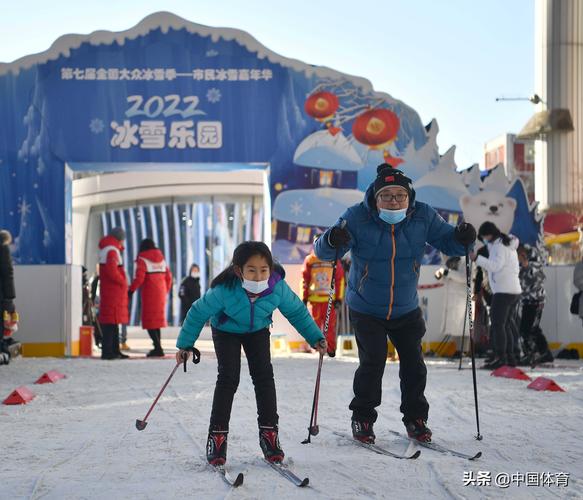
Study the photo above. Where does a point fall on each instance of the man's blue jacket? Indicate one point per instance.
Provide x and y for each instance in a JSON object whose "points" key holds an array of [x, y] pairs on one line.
{"points": [[386, 258]]}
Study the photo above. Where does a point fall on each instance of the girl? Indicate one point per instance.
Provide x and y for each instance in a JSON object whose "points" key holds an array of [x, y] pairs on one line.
{"points": [[502, 267], [240, 303], [189, 291], [154, 276]]}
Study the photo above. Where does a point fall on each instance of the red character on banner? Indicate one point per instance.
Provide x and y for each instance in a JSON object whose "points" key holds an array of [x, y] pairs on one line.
{"points": [[315, 289], [377, 129], [322, 106]]}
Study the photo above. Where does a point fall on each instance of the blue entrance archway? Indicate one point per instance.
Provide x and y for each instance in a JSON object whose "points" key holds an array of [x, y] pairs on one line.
{"points": [[169, 91]]}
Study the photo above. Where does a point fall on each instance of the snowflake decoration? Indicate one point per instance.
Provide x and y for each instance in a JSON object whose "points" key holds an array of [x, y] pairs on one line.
{"points": [[96, 126], [296, 208], [212, 53], [35, 185], [213, 95], [24, 208]]}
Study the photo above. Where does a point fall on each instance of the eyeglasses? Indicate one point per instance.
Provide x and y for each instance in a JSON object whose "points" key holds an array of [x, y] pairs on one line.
{"points": [[400, 197]]}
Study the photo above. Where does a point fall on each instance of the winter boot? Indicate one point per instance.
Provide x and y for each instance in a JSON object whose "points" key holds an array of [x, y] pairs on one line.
{"points": [[216, 445], [269, 442], [157, 351], [494, 364], [363, 431], [417, 429], [546, 357], [526, 360]]}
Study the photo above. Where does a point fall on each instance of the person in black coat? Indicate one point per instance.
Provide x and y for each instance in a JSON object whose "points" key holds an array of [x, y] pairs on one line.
{"points": [[7, 292], [189, 291]]}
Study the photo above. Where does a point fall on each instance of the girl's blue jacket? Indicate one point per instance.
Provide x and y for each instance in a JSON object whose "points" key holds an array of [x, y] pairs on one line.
{"points": [[230, 310]]}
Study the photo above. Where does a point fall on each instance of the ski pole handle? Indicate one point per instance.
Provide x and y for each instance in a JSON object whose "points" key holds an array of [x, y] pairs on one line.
{"points": [[195, 356]]}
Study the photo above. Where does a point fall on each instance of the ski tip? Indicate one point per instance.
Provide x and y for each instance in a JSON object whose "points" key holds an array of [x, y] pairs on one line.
{"points": [[304, 482], [415, 455], [477, 455], [238, 480]]}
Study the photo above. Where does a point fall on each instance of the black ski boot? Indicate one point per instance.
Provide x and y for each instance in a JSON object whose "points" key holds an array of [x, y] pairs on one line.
{"points": [[363, 431], [216, 445], [417, 429], [494, 364], [269, 442]]}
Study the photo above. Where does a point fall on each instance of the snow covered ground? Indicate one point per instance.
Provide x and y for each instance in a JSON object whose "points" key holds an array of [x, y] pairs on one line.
{"points": [[78, 439]]}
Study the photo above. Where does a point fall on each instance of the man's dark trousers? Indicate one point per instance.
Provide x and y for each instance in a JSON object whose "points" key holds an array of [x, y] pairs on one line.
{"points": [[405, 333]]}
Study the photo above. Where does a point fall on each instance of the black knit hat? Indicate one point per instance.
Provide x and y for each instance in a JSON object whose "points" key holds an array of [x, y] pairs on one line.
{"points": [[389, 176]]}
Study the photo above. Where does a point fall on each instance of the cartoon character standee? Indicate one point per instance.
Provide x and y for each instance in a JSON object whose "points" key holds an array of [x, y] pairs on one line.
{"points": [[315, 289]]}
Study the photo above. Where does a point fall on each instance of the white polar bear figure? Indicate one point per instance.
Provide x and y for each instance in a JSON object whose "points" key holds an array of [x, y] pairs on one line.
{"points": [[490, 206]]}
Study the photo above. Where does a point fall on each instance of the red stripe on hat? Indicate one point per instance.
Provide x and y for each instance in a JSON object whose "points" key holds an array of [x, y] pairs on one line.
{"points": [[390, 178]]}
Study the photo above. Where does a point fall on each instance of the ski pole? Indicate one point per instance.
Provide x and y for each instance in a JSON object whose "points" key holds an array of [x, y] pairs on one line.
{"points": [[313, 428], [141, 424], [468, 300], [471, 335]]}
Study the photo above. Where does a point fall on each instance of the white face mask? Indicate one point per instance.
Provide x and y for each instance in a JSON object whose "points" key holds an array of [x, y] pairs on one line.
{"points": [[255, 286], [195, 274]]}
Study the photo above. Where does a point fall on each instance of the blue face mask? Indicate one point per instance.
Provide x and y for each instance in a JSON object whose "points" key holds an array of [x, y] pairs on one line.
{"points": [[392, 216]]}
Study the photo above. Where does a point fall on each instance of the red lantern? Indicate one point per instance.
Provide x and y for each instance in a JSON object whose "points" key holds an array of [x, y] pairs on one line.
{"points": [[376, 128], [321, 105]]}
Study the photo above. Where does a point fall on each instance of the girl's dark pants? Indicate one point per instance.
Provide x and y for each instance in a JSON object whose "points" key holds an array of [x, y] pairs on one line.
{"points": [[372, 334], [257, 350], [503, 327]]}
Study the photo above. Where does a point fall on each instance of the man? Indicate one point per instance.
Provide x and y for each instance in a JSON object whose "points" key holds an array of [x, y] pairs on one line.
{"points": [[386, 234], [532, 279], [315, 289], [113, 293]]}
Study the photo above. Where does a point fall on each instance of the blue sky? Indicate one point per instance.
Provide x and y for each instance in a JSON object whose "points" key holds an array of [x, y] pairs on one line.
{"points": [[447, 59]]}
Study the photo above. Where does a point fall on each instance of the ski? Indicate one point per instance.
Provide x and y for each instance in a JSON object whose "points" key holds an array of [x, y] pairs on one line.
{"points": [[438, 447], [377, 449], [226, 477], [286, 472]]}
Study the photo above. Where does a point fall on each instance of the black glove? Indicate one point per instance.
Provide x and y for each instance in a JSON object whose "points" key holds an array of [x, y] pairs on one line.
{"points": [[465, 234], [8, 305], [338, 237]]}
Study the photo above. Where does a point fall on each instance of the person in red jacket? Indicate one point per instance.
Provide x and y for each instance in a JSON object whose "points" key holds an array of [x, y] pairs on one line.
{"points": [[154, 277], [113, 293], [315, 289]]}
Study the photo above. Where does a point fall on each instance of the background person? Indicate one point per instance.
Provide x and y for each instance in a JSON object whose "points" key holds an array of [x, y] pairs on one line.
{"points": [[154, 278]]}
